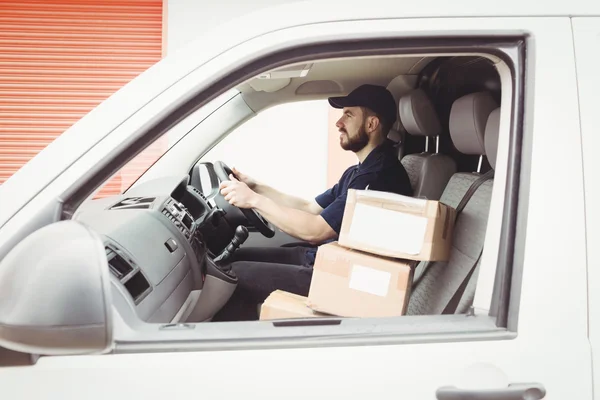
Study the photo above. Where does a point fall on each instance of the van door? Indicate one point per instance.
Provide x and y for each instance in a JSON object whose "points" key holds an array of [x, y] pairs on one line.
{"points": [[541, 346], [587, 56]]}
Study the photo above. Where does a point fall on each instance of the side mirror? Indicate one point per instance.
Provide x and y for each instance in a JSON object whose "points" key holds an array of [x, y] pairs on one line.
{"points": [[55, 293]]}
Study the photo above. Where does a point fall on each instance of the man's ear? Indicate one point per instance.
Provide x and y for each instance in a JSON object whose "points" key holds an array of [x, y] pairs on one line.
{"points": [[372, 123]]}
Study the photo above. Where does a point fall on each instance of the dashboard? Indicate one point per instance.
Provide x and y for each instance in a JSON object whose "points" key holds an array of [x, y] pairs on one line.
{"points": [[160, 240]]}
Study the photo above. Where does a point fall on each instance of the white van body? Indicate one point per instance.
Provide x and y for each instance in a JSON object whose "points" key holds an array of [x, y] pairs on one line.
{"points": [[553, 322]]}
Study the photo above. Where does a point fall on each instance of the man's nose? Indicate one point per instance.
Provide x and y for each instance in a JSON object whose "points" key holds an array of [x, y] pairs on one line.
{"points": [[339, 123]]}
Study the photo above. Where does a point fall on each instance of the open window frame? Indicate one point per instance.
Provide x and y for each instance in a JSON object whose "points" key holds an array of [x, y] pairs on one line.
{"points": [[499, 324]]}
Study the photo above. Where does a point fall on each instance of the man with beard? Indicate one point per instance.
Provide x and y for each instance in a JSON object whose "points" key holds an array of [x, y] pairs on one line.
{"points": [[368, 114]]}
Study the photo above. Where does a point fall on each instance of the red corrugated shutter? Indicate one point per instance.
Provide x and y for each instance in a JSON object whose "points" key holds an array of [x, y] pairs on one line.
{"points": [[59, 59]]}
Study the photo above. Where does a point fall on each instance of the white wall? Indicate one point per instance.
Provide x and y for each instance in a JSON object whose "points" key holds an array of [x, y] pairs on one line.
{"points": [[286, 145]]}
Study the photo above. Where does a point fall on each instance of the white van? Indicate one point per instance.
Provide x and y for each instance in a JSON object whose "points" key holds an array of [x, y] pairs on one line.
{"points": [[113, 297]]}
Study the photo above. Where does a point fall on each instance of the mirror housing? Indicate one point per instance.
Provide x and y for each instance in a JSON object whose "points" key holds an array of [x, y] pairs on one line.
{"points": [[55, 293]]}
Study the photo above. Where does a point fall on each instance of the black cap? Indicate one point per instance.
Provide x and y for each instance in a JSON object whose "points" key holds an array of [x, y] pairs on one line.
{"points": [[376, 98]]}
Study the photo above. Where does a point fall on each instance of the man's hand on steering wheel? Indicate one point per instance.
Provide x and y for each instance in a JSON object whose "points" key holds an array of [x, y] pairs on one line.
{"points": [[248, 180], [240, 197], [238, 193]]}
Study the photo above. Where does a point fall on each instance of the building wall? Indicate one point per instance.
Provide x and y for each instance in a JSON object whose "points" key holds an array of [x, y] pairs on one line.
{"points": [[61, 58]]}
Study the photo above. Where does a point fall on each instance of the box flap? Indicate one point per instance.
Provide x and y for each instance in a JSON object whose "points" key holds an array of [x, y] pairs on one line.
{"points": [[282, 305], [339, 260]]}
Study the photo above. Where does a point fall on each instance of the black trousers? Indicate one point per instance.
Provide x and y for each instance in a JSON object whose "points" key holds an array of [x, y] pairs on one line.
{"points": [[261, 271]]}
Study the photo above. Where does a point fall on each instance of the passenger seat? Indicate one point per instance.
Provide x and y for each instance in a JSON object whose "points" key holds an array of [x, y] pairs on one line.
{"points": [[492, 131], [435, 283], [428, 173]]}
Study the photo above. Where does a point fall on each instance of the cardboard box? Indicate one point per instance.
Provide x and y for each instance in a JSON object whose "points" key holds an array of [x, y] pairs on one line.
{"points": [[397, 226], [280, 305], [351, 283]]}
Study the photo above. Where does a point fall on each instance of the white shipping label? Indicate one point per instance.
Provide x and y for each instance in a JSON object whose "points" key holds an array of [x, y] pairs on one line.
{"points": [[388, 229], [373, 194], [370, 280]]}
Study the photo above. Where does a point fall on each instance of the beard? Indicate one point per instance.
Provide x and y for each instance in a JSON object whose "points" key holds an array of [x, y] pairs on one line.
{"points": [[355, 143]]}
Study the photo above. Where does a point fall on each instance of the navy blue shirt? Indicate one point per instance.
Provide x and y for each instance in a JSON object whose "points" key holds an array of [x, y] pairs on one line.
{"points": [[381, 171]]}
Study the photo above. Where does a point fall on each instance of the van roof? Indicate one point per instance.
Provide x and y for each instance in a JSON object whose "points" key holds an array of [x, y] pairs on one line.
{"points": [[300, 12]]}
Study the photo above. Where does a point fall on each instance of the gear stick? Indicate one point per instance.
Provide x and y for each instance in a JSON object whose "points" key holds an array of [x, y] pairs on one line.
{"points": [[239, 237]]}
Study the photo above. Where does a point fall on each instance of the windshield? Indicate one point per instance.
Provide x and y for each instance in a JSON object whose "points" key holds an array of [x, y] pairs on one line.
{"points": [[140, 164], [135, 168]]}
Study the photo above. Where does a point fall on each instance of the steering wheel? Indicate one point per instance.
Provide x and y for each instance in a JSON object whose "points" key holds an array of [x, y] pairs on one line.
{"points": [[252, 216]]}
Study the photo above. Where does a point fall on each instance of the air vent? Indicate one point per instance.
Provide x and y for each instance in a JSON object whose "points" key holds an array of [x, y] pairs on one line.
{"points": [[134, 203], [177, 224], [117, 264], [109, 252], [169, 215], [137, 287]]}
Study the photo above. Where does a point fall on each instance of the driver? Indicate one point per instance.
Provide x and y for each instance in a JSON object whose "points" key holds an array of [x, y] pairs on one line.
{"points": [[368, 114]]}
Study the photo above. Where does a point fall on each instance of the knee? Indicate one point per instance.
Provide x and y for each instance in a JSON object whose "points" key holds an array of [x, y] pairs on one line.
{"points": [[243, 273]]}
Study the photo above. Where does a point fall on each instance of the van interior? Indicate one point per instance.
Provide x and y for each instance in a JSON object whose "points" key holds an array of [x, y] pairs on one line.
{"points": [[446, 138]]}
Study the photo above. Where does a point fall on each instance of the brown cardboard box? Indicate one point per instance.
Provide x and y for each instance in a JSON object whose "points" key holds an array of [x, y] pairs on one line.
{"points": [[351, 283], [282, 304], [397, 226]]}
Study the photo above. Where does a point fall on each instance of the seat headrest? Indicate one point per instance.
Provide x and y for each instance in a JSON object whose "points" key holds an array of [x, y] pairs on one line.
{"points": [[492, 132], [418, 115], [468, 118], [397, 87]]}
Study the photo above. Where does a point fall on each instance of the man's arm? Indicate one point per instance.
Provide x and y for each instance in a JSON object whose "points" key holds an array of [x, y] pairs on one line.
{"points": [[288, 201], [297, 223], [278, 197]]}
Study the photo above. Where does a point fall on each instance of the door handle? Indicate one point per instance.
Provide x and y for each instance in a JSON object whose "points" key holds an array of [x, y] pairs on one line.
{"points": [[517, 391]]}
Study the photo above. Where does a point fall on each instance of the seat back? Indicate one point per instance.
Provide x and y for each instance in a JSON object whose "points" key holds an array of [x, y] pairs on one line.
{"points": [[436, 283], [428, 173], [492, 131]]}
